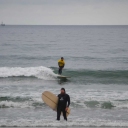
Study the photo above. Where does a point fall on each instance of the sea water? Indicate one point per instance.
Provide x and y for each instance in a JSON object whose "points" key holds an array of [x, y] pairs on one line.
{"points": [[96, 58]]}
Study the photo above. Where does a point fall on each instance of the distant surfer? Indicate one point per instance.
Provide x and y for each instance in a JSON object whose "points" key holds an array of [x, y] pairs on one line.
{"points": [[63, 104], [61, 65]]}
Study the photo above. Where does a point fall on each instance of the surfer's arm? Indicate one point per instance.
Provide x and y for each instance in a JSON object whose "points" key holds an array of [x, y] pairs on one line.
{"points": [[68, 101]]}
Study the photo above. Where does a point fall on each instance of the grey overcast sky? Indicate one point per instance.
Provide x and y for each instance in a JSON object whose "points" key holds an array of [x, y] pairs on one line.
{"points": [[64, 12]]}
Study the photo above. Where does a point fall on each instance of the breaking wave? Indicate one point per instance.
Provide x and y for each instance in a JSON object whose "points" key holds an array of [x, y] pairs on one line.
{"points": [[37, 72]]}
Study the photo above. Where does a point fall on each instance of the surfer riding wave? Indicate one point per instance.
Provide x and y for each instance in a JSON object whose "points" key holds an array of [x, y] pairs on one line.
{"points": [[61, 64]]}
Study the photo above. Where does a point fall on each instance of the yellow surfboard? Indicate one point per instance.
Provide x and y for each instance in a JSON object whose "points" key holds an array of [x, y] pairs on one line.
{"points": [[51, 100]]}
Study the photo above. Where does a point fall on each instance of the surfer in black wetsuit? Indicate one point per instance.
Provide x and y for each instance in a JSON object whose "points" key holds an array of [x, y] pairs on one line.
{"points": [[63, 104]]}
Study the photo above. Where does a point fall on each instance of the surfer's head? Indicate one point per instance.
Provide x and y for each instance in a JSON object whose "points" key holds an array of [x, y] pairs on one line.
{"points": [[62, 58], [62, 90]]}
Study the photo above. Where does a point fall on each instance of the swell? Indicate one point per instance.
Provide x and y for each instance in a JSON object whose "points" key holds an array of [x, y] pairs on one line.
{"points": [[99, 73], [34, 71], [84, 76]]}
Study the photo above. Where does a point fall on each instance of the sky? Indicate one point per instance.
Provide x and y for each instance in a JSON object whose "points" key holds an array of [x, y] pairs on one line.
{"points": [[64, 12]]}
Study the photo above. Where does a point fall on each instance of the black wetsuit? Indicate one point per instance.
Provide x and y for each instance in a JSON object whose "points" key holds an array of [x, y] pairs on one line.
{"points": [[62, 104]]}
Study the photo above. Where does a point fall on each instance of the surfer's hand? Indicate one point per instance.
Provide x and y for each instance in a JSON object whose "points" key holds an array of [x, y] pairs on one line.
{"points": [[66, 108]]}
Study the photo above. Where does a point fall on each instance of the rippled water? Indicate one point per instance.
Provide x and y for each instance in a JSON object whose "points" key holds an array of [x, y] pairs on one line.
{"points": [[96, 59]]}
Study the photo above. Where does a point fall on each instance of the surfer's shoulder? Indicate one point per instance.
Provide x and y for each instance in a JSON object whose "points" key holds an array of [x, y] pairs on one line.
{"points": [[67, 94]]}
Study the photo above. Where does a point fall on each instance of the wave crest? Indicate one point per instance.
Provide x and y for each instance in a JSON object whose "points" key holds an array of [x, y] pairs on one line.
{"points": [[38, 72]]}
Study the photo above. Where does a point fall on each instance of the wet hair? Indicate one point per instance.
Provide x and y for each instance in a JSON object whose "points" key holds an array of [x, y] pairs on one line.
{"points": [[63, 89]]}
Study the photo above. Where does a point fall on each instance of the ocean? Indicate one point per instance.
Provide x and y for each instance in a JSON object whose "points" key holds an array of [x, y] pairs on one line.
{"points": [[96, 59]]}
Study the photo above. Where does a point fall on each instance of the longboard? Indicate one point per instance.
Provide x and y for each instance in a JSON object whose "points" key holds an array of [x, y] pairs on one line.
{"points": [[52, 100], [61, 76]]}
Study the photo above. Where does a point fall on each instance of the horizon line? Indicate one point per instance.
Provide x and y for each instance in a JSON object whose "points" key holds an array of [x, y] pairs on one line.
{"points": [[70, 24]]}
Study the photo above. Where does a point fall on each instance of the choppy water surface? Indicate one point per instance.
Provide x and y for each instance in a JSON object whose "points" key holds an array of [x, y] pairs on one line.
{"points": [[96, 59]]}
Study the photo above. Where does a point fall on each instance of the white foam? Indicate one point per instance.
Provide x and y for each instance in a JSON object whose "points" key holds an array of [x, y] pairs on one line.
{"points": [[116, 98], [39, 72], [53, 123], [9, 104], [121, 105]]}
